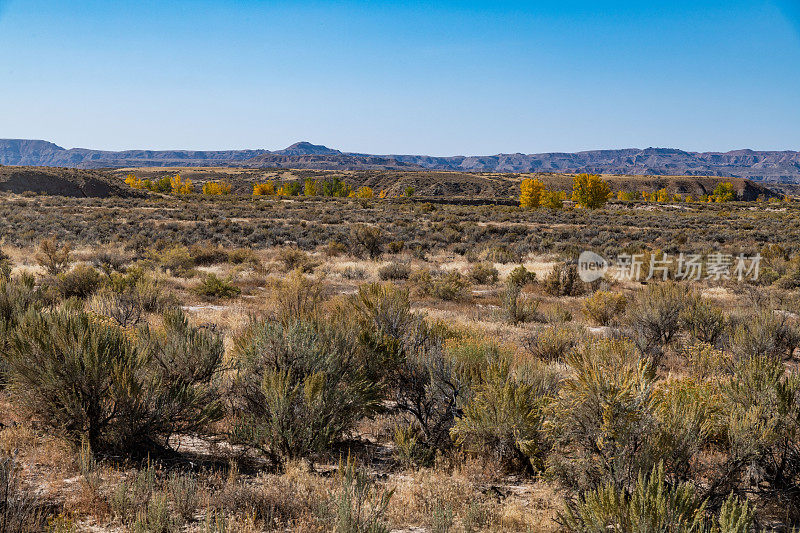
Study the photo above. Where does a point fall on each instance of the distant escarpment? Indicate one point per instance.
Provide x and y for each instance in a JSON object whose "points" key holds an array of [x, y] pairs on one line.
{"points": [[770, 166]]}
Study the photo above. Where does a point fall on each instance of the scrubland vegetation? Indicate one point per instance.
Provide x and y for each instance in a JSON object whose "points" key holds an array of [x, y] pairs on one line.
{"points": [[328, 362]]}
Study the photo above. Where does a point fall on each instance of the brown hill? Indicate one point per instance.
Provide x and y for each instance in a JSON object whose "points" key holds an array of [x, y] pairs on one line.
{"points": [[63, 182]]}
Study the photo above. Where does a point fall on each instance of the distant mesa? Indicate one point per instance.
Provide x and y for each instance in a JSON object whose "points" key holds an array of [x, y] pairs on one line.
{"points": [[769, 166]]}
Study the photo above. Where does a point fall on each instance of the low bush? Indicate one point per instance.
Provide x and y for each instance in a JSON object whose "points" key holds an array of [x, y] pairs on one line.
{"points": [[88, 380], [761, 403], [499, 254], [293, 258], [52, 258], [211, 286], [360, 504], [175, 260], [299, 388], [448, 286], [653, 505], [502, 420], [409, 356], [704, 321], [298, 296], [366, 240], [654, 316], [603, 307], [124, 307], [483, 274], [80, 282], [765, 331], [518, 308], [394, 271], [600, 425], [521, 276], [563, 280], [551, 343]]}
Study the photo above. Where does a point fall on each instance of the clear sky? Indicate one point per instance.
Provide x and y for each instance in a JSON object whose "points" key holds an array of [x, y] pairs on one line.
{"points": [[440, 78]]}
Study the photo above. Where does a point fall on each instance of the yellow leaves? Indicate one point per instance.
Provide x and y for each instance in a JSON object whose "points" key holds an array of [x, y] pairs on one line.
{"points": [[723, 192], [264, 189], [312, 188], [533, 194], [180, 186], [216, 188], [134, 182], [365, 193], [530, 195], [590, 191]]}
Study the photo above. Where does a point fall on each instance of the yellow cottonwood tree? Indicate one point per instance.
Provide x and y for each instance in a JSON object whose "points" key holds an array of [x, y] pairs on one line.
{"points": [[590, 191], [216, 188], [530, 193], [264, 189], [181, 186], [365, 192]]}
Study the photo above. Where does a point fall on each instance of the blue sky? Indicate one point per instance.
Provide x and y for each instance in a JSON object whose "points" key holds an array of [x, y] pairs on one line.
{"points": [[440, 78]]}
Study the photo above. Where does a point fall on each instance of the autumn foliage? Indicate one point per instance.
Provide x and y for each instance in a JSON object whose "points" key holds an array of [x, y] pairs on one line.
{"points": [[590, 191]]}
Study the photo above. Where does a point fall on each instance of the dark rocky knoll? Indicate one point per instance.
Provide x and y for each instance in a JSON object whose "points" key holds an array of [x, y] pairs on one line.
{"points": [[73, 182]]}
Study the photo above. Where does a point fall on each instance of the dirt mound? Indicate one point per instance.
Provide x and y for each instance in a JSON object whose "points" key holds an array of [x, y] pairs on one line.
{"points": [[63, 182], [494, 185]]}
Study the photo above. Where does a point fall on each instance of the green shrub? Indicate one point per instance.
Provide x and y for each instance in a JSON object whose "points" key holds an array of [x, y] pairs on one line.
{"points": [[394, 271], [124, 308], [137, 286], [80, 282], [5, 267], [762, 407], [299, 388], [705, 361], [603, 307], [551, 343], [563, 280], [298, 296], [521, 276], [703, 320], [653, 505], [518, 308], [207, 254], [88, 380], [483, 273], [499, 254], [359, 503], [408, 355], [212, 286], [654, 316], [366, 240], [77, 376], [502, 420], [650, 506], [601, 423], [395, 247], [16, 298], [294, 258], [765, 331], [448, 286], [176, 260], [410, 448]]}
